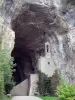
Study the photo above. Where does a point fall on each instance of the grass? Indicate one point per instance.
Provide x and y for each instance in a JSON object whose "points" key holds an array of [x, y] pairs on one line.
{"points": [[48, 98], [6, 98]]}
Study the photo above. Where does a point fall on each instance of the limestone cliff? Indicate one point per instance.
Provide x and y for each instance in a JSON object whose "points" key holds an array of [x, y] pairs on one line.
{"points": [[37, 21]]}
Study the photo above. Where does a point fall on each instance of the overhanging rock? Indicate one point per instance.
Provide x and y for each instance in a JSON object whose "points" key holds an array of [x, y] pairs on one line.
{"points": [[33, 26]]}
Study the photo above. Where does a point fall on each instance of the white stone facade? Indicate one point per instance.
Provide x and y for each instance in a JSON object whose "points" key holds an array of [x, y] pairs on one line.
{"points": [[46, 64]]}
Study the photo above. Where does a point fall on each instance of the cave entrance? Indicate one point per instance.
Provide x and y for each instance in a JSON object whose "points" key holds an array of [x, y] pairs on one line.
{"points": [[23, 66], [29, 27]]}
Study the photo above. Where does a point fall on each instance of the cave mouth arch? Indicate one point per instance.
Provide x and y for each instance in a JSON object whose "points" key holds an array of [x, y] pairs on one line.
{"points": [[31, 26]]}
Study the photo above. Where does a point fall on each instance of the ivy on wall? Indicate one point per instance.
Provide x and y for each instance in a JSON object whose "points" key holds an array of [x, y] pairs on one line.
{"points": [[48, 85]]}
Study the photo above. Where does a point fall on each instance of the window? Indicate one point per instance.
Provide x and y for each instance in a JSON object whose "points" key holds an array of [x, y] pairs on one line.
{"points": [[48, 63], [47, 48]]}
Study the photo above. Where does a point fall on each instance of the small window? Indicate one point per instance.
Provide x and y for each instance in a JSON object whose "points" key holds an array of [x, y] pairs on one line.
{"points": [[48, 63], [47, 48]]}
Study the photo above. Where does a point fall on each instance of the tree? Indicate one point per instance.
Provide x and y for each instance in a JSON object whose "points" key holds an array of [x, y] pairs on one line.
{"points": [[6, 65]]}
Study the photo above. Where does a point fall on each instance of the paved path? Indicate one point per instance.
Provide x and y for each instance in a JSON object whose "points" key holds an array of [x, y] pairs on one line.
{"points": [[25, 98]]}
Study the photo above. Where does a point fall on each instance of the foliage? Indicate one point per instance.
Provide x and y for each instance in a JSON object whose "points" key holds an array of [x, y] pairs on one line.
{"points": [[1, 85], [55, 79], [43, 83], [6, 69], [7, 98], [66, 91], [47, 98], [47, 85]]}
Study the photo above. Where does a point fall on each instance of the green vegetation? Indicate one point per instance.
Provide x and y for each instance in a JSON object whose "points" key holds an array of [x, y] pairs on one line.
{"points": [[6, 98], [6, 65], [48, 98], [48, 85], [1, 85], [66, 91]]}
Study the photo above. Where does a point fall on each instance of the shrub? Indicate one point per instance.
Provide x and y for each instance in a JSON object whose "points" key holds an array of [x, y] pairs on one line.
{"points": [[1, 85], [66, 91], [48, 85], [43, 83], [6, 65], [55, 79]]}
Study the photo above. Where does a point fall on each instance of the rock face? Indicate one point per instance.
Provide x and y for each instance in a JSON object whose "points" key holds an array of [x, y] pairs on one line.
{"points": [[6, 36], [34, 23], [33, 26]]}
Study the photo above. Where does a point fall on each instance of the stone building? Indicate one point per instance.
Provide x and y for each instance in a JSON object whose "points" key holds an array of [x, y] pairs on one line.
{"points": [[45, 63]]}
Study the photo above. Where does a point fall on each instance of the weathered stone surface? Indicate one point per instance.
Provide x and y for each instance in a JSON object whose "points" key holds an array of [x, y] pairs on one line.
{"points": [[34, 79], [37, 24], [30, 20], [21, 89], [1, 3], [9, 38], [7, 35]]}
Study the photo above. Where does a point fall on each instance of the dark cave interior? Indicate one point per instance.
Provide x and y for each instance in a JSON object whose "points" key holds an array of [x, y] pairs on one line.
{"points": [[23, 64], [31, 27]]}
